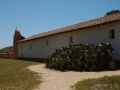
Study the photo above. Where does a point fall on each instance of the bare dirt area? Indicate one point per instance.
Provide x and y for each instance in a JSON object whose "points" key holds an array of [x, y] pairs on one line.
{"points": [[56, 80]]}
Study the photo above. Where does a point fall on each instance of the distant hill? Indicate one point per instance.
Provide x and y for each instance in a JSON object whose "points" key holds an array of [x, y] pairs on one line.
{"points": [[6, 49]]}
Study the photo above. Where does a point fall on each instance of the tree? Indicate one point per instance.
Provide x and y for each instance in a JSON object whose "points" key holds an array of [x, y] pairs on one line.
{"points": [[6, 49], [112, 12]]}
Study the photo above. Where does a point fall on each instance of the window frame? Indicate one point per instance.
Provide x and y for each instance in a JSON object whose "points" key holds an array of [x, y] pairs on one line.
{"points": [[47, 43], [111, 34], [30, 46], [21, 47], [71, 39]]}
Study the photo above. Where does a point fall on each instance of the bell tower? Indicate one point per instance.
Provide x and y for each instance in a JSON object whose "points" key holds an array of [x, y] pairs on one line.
{"points": [[17, 37]]}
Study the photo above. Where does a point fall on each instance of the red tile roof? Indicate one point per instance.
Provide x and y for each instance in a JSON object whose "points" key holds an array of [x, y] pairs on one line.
{"points": [[87, 24]]}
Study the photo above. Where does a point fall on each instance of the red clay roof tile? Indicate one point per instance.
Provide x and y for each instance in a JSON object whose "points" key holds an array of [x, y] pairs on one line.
{"points": [[82, 25]]}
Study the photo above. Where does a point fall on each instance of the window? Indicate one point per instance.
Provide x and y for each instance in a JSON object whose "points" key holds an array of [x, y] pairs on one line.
{"points": [[112, 34], [21, 47], [21, 54], [30, 46], [71, 39], [47, 43]]}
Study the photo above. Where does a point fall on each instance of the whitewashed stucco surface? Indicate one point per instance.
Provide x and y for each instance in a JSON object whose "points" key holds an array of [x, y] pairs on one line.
{"points": [[94, 35]]}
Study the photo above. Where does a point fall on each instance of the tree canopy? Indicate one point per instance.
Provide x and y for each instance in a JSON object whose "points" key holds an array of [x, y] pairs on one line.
{"points": [[112, 12]]}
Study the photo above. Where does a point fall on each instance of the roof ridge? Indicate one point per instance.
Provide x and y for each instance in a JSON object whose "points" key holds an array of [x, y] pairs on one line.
{"points": [[86, 24]]}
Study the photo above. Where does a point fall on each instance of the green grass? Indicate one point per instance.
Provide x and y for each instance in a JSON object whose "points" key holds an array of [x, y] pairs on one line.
{"points": [[14, 75], [103, 83]]}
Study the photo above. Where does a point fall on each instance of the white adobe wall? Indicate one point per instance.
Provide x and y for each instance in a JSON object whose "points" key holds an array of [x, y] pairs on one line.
{"points": [[93, 35]]}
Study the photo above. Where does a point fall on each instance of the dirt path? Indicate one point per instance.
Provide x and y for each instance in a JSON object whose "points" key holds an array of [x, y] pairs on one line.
{"points": [[56, 80]]}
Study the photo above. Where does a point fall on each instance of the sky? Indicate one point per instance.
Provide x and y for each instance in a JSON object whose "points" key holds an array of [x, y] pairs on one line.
{"points": [[37, 16]]}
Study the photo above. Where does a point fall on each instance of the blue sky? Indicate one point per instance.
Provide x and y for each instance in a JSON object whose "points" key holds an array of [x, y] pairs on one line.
{"points": [[37, 16]]}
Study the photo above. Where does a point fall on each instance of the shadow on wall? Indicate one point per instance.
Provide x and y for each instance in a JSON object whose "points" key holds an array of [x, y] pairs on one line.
{"points": [[32, 59]]}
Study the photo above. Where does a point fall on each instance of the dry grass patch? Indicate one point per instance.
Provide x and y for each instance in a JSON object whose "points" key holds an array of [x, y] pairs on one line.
{"points": [[103, 83], [14, 75]]}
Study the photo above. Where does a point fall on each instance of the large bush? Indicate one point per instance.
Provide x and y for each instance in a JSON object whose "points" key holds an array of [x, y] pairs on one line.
{"points": [[81, 57]]}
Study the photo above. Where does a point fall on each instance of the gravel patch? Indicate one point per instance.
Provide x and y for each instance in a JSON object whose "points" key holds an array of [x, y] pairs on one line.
{"points": [[56, 80]]}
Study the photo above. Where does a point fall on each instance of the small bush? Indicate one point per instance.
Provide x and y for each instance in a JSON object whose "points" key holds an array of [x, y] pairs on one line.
{"points": [[81, 57]]}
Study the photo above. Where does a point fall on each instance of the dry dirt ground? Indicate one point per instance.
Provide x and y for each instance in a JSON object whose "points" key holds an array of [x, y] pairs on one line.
{"points": [[56, 80]]}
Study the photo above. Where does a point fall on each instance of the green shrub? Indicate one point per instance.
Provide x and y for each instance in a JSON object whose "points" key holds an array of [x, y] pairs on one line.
{"points": [[81, 57]]}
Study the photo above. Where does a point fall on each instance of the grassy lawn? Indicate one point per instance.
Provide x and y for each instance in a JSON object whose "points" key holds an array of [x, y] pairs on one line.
{"points": [[14, 75], [103, 83]]}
